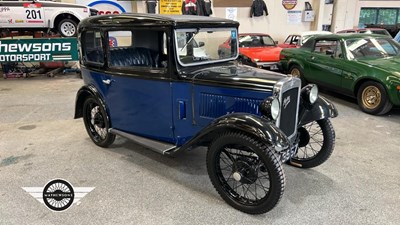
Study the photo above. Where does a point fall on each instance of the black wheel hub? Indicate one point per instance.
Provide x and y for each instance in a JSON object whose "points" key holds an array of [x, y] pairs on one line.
{"points": [[304, 137], [244, 168], [98, 120]]}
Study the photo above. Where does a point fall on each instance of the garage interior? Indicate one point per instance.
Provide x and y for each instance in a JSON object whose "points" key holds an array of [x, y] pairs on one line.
{"points": [[40, 140]]}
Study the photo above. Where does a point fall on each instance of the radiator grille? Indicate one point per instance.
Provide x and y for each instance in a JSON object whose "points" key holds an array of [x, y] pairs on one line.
{"points": [[288, 115]]}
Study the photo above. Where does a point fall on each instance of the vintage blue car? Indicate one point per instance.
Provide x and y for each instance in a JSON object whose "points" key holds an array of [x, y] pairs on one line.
{"points": [[168, 97]]}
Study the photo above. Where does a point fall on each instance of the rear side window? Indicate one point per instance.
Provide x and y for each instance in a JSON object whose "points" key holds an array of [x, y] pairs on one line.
{"points": [[137, 49], [383, 32], [322, 46], [93, 51]]}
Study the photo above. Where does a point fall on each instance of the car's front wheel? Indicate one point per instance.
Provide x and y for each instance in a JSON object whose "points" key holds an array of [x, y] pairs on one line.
{"points": [[373, 99], [68, 28], [245, 172], [96, 122], [317, 141]]}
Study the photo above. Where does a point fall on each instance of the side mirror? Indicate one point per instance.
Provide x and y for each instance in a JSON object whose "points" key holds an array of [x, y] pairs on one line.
{"points": [[329, 52], [276, 42], [201, 44]]}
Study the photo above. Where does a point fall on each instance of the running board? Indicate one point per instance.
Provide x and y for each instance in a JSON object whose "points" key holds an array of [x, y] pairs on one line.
{"points": [[157, 146]]}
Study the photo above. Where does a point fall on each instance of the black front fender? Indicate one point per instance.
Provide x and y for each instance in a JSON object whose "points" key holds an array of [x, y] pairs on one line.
{"points": [[250, 124], [83, 93], [321, 109]]}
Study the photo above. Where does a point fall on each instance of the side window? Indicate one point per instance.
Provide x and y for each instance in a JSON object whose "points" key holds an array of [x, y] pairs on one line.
{"points": [[137, 49], [288, 39], [337, 50], [92, 47], [295, 40], [323, 46]]}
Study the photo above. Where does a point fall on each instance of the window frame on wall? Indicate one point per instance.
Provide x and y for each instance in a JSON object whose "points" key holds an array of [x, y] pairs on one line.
{"points": [[377, 15]]}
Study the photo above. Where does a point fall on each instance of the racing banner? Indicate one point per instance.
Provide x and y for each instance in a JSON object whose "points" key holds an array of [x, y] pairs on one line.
{"points": [[38, 50]]}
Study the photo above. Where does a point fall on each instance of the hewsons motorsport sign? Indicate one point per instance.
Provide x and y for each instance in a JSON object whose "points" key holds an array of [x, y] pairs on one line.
{"points": [[31, 50]]}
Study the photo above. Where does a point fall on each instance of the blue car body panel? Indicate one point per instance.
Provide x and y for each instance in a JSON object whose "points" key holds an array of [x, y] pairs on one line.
{"points": [[164, 110]]}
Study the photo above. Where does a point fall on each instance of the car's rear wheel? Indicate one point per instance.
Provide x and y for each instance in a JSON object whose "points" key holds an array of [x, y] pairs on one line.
{"points": [[373, 99], [68, 28], [96, 122], [245, 172], [297, 71]]}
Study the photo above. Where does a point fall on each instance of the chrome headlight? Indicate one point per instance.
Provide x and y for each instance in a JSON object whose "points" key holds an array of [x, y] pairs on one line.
{"points": [[309, 93], [313, 94], [270, 107]]}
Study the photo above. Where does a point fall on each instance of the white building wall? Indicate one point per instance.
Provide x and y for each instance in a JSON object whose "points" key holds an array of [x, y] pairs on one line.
{"points": [[343, 14]]}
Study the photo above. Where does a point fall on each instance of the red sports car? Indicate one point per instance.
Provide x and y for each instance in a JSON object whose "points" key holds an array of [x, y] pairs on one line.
{"points": [[258, 50]]}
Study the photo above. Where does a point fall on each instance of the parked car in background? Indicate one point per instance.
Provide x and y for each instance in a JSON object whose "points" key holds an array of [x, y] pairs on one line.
{"points": [[44, 15], [297, 40], [257, 50], [366, 31], [364, 66], [150, 91]]}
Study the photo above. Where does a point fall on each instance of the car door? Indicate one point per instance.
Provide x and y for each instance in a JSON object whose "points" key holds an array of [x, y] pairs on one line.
{"points": [[290, 42], [23, 14], [324, 63], [137, 85]]}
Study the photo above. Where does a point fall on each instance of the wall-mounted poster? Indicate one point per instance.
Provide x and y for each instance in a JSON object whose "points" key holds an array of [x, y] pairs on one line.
{"points": [[171, 7], [294, 16], [289, 4], [231, 13]]}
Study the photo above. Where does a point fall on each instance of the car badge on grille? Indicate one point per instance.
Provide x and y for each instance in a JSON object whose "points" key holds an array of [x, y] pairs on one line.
{"points": [[286, 102]]}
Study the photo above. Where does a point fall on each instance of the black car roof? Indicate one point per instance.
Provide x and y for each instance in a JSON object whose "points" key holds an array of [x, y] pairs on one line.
{"points": [[142, 19]]}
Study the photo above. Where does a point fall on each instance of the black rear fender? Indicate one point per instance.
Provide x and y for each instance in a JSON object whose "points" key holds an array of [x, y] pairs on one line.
{"points": [[83, 93]]}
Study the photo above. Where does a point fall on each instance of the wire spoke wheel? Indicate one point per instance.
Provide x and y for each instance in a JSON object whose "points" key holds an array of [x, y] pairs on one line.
{"points": [[317, 141], [245, 172], [96, 123]]}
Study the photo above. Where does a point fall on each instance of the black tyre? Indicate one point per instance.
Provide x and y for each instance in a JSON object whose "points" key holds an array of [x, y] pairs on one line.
{"points": [[68, 28], [97, 123], [317, 141], [245, 173], [297, 71], [373, 99]]}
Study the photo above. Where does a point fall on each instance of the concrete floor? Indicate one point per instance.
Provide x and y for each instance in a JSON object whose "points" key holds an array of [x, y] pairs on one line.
{"points": [[40, 141]]}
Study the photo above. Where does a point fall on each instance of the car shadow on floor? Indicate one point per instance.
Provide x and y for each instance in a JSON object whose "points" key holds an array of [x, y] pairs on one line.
{"points": [[188, 169]]}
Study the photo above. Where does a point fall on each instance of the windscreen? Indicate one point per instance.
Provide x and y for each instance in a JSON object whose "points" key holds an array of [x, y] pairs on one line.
{"points": [[205, 45], [364, 48]]}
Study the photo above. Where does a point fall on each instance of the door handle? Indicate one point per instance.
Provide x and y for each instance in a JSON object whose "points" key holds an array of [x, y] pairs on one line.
{"points": [[108, 81]]}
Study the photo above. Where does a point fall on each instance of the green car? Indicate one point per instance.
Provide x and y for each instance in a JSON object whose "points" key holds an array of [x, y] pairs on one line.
{"points": [[364, 66]]}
